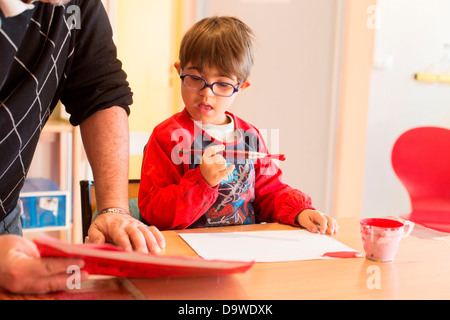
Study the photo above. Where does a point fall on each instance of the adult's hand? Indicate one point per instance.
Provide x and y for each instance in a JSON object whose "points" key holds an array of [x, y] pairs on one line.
{"points": [[23, 271], [127, 233]]}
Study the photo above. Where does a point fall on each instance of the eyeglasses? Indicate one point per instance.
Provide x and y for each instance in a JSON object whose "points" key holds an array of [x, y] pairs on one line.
{"points": [[221, 89]]}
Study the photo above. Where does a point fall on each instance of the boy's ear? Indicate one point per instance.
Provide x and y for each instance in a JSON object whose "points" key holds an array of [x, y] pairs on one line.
{"points": [[177, 66], [245, 84]]}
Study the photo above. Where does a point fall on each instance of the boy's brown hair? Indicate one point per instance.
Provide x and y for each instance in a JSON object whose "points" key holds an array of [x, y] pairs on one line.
{"points": [[225, 43]]}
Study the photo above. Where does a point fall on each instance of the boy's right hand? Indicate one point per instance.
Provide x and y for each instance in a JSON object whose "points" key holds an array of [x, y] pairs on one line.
{"points": [[214, 167]]}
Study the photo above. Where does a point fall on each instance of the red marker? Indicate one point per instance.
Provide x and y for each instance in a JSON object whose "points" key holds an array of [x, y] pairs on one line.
{"points": [[343, 255], [239, 154]]}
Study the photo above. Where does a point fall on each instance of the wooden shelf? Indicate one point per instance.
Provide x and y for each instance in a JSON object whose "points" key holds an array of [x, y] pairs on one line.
{"points": [[47, 229], [62, 130]]}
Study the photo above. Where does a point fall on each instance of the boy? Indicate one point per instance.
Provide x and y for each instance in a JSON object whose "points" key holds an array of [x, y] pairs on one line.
{"points": [[186, 181]]}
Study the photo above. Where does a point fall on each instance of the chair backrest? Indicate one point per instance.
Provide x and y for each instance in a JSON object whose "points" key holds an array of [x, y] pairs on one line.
{"points": [[421, 160], [89, 203]]}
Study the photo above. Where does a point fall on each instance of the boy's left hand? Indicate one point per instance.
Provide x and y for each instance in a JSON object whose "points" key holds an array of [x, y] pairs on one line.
{"points": [[315, 221]]}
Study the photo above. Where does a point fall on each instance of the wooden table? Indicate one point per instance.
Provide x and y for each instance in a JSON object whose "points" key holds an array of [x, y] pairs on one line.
{"points": [[421, 270]]}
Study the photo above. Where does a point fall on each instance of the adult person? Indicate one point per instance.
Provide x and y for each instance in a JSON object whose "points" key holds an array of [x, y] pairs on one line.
{"points": [[50, 51]]}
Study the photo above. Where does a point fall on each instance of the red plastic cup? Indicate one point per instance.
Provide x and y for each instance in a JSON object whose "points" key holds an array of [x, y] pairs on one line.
{"points": [[381, 237]]}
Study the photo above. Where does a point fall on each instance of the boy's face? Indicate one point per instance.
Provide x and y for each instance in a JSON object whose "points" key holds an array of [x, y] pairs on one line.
{"points": [[204, 106]]}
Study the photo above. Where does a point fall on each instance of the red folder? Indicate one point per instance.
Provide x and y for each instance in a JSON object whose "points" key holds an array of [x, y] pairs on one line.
{"points": [[111, 260]]}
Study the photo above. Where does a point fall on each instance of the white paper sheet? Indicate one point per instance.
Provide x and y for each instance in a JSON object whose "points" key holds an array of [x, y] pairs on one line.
{"points": [[263, 246]]}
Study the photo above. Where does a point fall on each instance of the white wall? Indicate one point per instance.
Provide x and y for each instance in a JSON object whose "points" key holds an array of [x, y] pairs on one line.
{"points": [[292, 84], [416, 34]]}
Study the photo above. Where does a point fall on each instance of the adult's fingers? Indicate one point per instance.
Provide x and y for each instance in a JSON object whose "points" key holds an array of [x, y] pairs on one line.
{"points": [[59, 282], [158, 236], [53, 266], [26, 265], [147, 239], [120, 237], [50, 284], [40, 275], [95, 235], [137, 238]]}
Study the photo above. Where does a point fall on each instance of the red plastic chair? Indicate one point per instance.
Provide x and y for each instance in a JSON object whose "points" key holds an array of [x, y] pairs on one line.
{"points": [[421, 160]]}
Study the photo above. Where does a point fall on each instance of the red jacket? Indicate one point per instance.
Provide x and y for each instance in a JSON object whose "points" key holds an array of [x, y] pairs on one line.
{"points": [[174, 195]]}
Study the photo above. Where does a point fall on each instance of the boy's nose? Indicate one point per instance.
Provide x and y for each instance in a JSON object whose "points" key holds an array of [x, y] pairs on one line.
{"points": [[207, 92]]}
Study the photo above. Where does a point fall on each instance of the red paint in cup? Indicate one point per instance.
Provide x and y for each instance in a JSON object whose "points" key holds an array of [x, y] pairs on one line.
{"points": [[381, 237]]}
